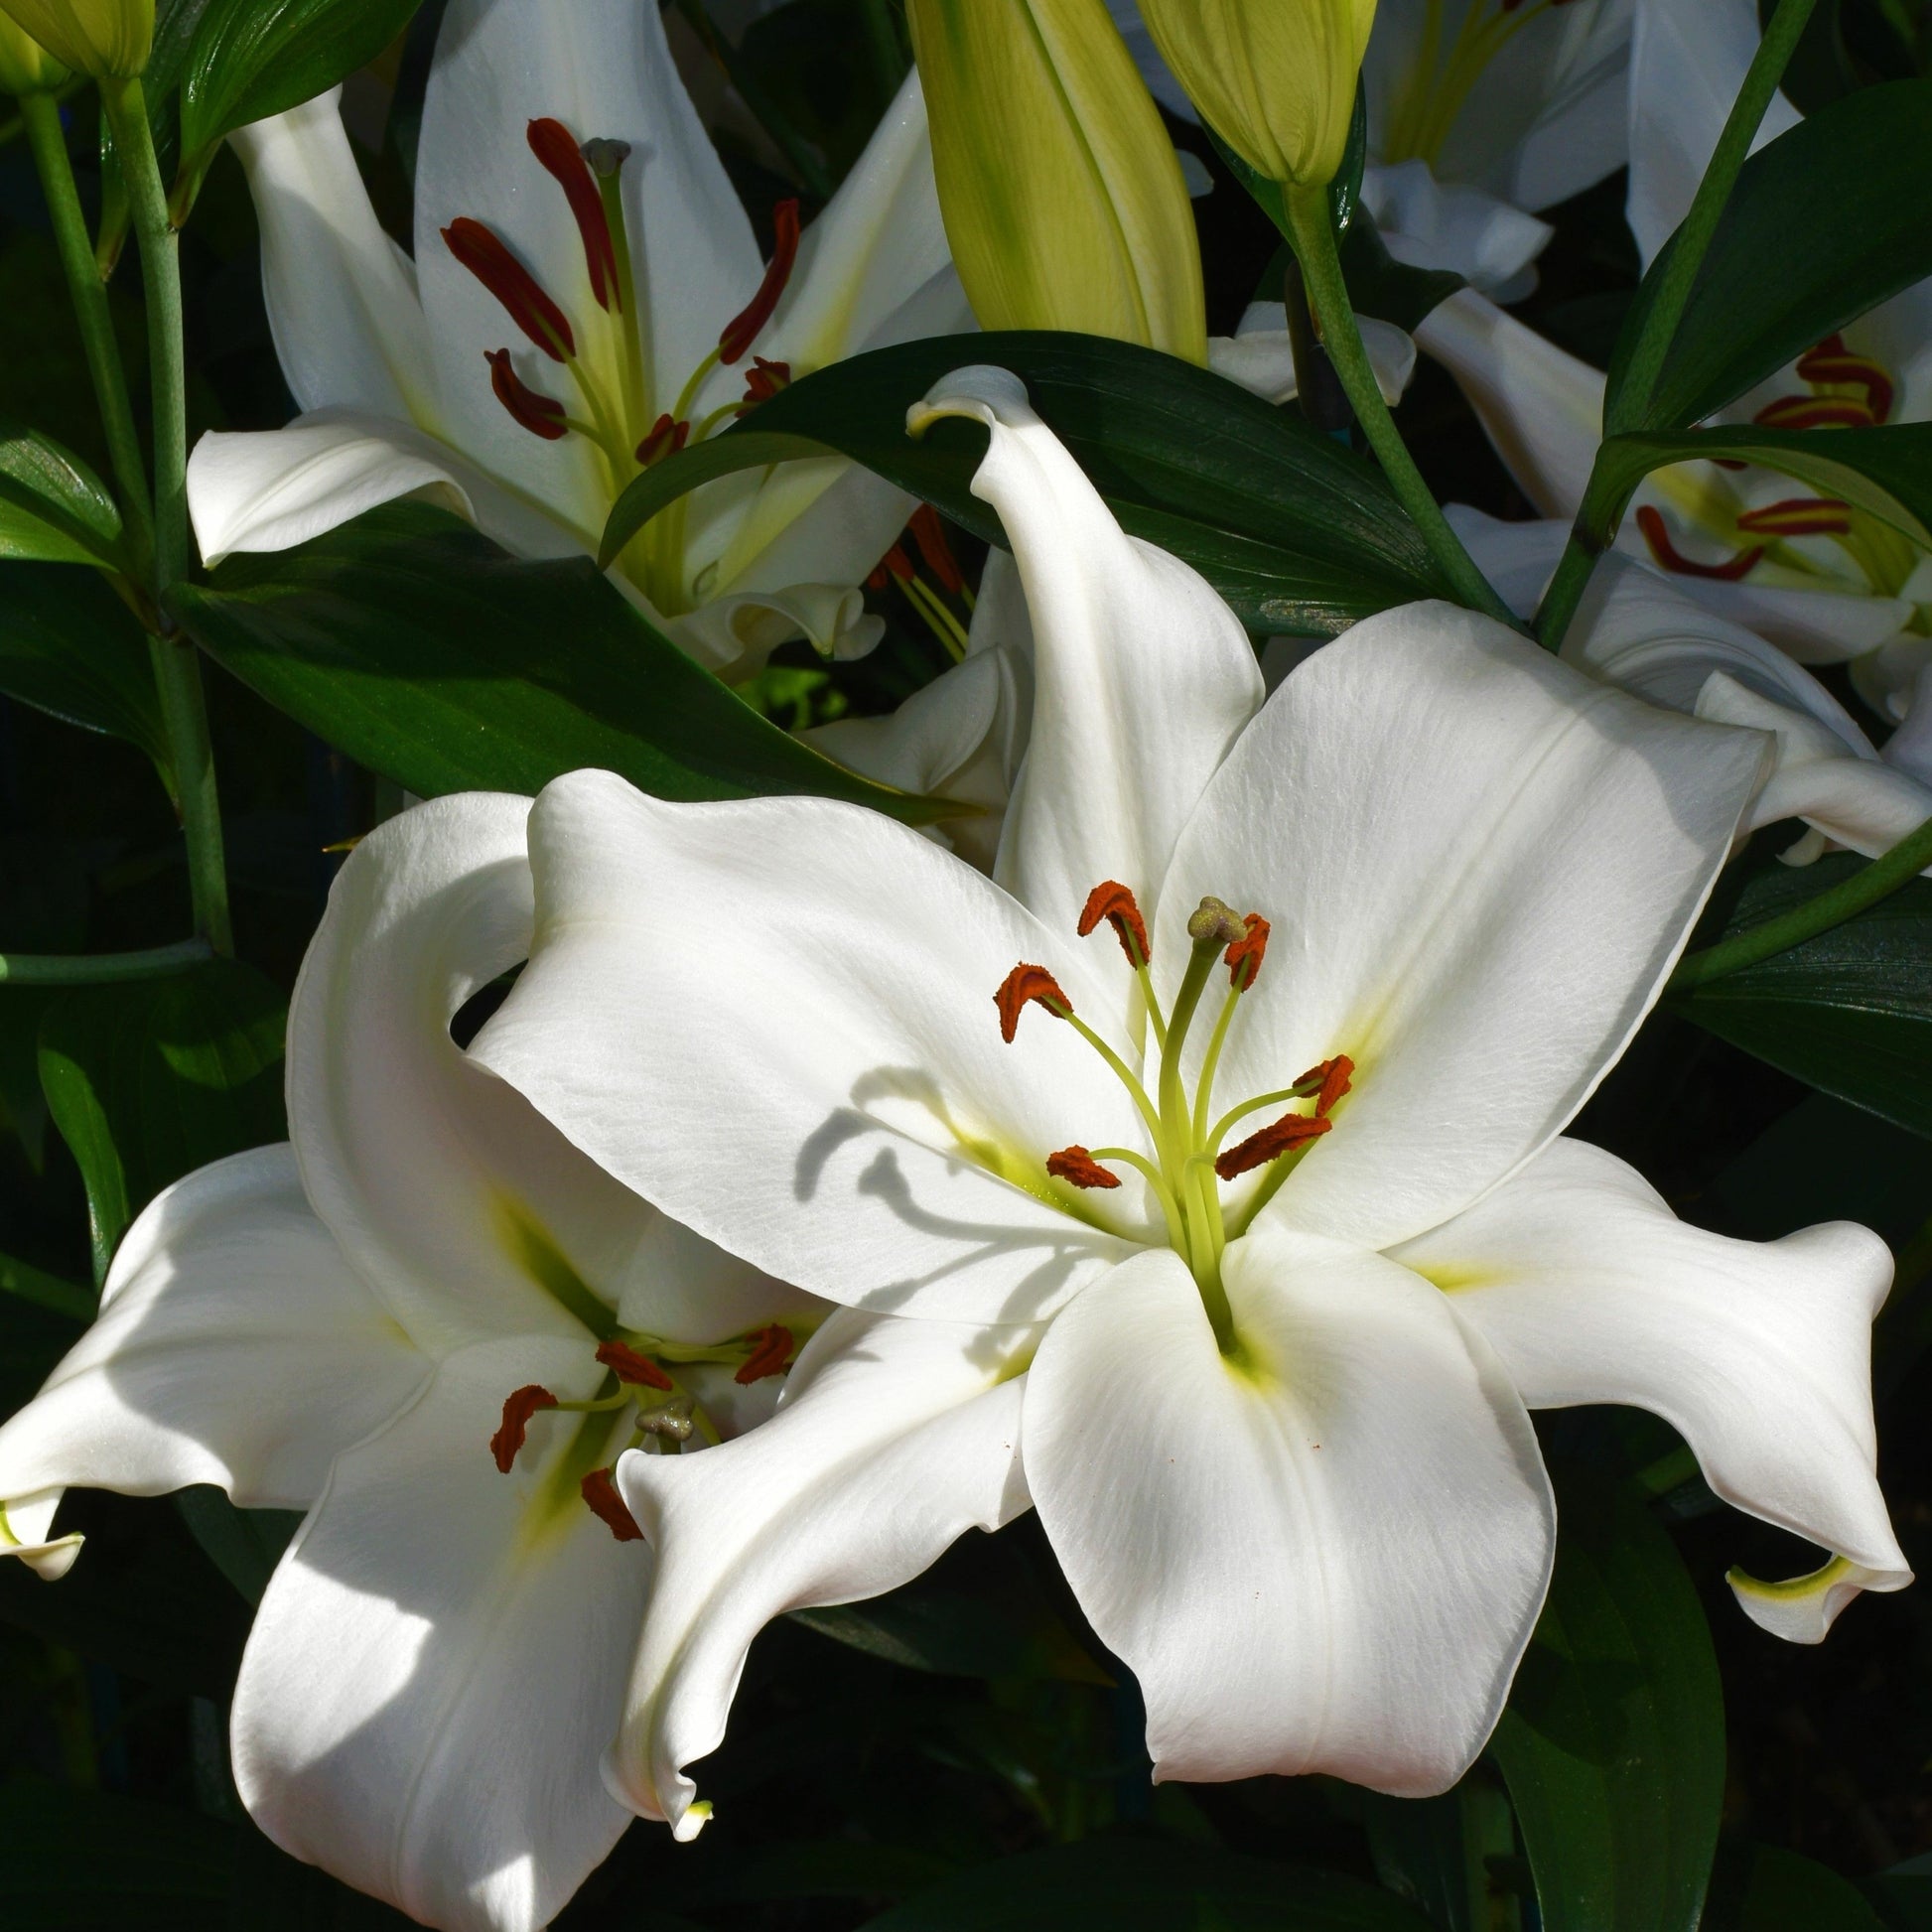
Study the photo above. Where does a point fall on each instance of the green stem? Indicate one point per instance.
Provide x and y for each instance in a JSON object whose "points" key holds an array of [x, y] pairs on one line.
{"points": [[1867, 886], [102, 969], [178, 674], [1678, 269], [1314, 246], [41, 116]]}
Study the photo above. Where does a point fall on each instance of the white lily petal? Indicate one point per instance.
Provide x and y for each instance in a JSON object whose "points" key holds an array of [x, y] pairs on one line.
{"points": [[603, 69], [1541, 408], [439, 1656], [1582, 132], [234, 1346], [894, 1437], [449, 1190], [733, 635], [1481, 931], [1814, 627], [1687, 65], [1323, 1553], [1428, 223], [270, 490], [342, 297], [822, 520], [657, 1025], [1759, 1353], [1909, 678], [27, 1532], [1260, 357], [1802, 1610], [1143, 677]]}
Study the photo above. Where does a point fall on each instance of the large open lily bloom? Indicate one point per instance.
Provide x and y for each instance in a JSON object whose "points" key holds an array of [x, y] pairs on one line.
{"points": [[586, 296], [1211, 1151], [432, 1324]]}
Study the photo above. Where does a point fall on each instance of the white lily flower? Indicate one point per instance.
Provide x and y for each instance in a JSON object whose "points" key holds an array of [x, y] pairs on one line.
{"points": [[1480, 113], [1261, 358], [1268, 1387], [413, 1321], [586, 297]]}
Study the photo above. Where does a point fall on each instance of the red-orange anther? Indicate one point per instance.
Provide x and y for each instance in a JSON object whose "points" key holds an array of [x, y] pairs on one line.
{"points": [[550, 142], [762, 381], [541, 415], [518, 1408], [740, 331], [771, 1351], [1327, 1082], [600, 1490], [664, 437], [1027, 983], [1116, 903], [931, 535], [1799, 516], [482, 251], [1243, 958], [1283, 1137], [1655, 533], [627, 1365], [1815, 412], [1077, 1167], [1832, 362]]}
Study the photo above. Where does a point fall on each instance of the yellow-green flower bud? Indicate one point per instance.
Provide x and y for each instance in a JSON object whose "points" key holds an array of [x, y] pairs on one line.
{"points": [[1062, 195], [26, 66], [108, 38], [1274, 79]]}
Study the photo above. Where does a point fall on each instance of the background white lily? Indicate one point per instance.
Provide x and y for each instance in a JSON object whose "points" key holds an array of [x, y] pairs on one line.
{"points": [[1276, 1429], [333, 1325], [387, 356]]}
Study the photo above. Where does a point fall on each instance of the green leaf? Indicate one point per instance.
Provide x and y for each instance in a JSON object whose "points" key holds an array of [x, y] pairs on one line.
{"points": [[1885, 471], [416, 645], [102, 1864], [70, 646], [1438, 1853], [1299, 534], [251, 58], [1761, 1889], [1850, 1012], [53, 508], [1126, 1884], [1612, 1743], [150, 1079], [1825, 222], [245, 1545], [25, 1282]]}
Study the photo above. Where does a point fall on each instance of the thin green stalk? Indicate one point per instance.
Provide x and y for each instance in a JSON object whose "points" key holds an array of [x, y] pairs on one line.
{"points": [[1867, 886], [102, 969], [42, 115], [1314, 248], [177, 676], [1565, 590]]}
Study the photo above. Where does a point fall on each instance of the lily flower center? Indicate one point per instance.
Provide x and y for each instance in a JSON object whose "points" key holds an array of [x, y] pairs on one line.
{"points": [[1843, 390], [1437, 85], [603, 347], [1187, 1160], [646, 1402]]}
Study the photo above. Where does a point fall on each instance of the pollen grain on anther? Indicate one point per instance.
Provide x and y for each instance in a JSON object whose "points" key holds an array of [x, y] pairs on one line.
{"points": [[1284, 1136], [627, 1365], [1243, 958], [1027, 984], [600, 1490], [518, 1407], [771, 1351], [1075, 1165], [1116, 903]]}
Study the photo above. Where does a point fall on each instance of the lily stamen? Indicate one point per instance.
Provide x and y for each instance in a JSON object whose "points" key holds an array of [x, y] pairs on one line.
{"points": [[600, 1490], [771, 1350], [551, 142], [518, 1407], [627, 1365], [739, 333], [482, 252]]}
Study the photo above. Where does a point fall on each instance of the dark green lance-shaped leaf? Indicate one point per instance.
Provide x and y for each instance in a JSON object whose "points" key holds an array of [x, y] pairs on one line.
{"points": [[1762, 1888], [1885, 471], [70, 646], [1146, 1886], [1443, 1854], [53, 508], [1849, 1012], [245, 1545], [150, 1079], [1300, 535], [428, 654], [1613, 1743], [1904, 1895], [1825, 222], [254, 57]]}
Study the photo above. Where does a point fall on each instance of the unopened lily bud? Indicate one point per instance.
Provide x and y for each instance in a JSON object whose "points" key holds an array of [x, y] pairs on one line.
{"points": [[1275, 78], [1062, 196], [103, 38], [26, 66]]}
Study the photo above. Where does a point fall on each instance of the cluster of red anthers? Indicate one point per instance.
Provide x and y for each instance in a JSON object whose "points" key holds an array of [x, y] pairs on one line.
{"points": [[527, 301]]}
